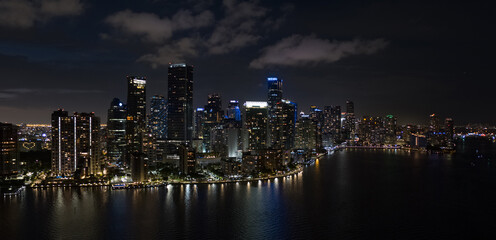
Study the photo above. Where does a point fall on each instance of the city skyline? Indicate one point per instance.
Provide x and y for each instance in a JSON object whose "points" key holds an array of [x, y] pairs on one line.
{"points": [[422, 61]]}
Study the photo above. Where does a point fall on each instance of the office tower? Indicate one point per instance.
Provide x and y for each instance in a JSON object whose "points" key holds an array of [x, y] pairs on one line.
{"points": [[371, 131], [116, 129], [75, 144], [9, 150], [390, 129], [434, 124], [233, 111], [214, 115], [198, 123], [180, 103], [349, 125], [136, 126], [187, 160], [158, 117], [306, 133], [331, 127], [274, 95], [275, 91], [283, 127], [256, 120], [317, 115], [449, 128]]}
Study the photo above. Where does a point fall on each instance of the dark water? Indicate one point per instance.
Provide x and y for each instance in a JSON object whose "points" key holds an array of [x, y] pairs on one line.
{"points": [[353, 194]]}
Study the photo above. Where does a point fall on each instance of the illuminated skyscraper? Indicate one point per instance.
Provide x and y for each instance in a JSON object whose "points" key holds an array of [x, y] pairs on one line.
{"points": [[317, 115], [158, 117], [136, 126], [283, 127], [349, 125], [390, 129], [116, 129], [275, 91], [306, 133], [214, 115], [256, 120], [180, 103], [75, 144], [434, 124], [331, 127], [233, 111], [9, 150], [198, 123], [274, 96]]}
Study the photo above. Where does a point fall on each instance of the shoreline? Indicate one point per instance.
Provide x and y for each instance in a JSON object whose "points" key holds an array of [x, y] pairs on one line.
{"points": [[164, 183]]}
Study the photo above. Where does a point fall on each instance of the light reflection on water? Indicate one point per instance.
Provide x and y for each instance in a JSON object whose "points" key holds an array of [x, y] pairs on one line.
{"points": [[352, 194]]}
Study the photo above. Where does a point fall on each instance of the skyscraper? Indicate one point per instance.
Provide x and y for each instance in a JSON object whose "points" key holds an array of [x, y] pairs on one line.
{"points": [[233, 111], [116, 129], [213, 117], [331, 127], [434, 124], [135, 126], [275, 91], [9, 150], [198, 123], [349, 126], [306, 133], [180, 103], [256, 120], [158, 117], [390, 129], [283, 127], [274, 96], [75, 144]]}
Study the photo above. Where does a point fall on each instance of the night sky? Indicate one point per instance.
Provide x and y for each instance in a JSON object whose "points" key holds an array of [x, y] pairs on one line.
{"points": [[407, 58]]}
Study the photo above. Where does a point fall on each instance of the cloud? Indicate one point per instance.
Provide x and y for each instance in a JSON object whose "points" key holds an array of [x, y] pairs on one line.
{"points": [[242, 23], [61, 7], [16, 92], [25, 13], [155, 29], [297, 50], [238, 28], [177, 51]]}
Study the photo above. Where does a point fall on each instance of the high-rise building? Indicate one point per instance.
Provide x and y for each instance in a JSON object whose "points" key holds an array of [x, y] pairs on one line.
{"points": [[136, 126], [349, 125], [256, 120], [275, 91], [283, 127], [187, 160], [390, 129], [306, 133], [449, 128], [371, 131], [274, 95], [180, 103], [116, 132], [233, 111], [214, 115], [158, 117], [434, 124], [331, 127], [75, 144], [198, 123], [317, 115], [9, 150]]}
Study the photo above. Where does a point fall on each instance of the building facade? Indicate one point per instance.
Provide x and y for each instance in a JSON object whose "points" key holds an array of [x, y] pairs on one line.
{"points": [[180, 103]]}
